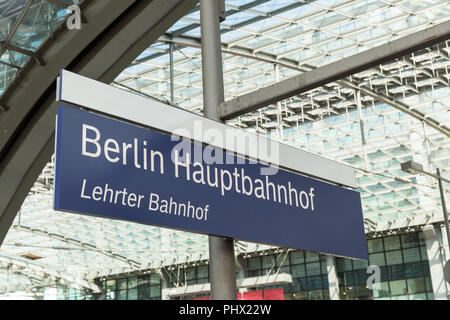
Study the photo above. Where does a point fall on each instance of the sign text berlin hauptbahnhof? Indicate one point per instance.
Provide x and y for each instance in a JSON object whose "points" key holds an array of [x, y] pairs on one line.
{"points": [[114, 169]]}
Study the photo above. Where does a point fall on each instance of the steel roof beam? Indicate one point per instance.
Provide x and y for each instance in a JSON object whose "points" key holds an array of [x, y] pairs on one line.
{"points": [[292, 64], [8, 46], [334, 71]]}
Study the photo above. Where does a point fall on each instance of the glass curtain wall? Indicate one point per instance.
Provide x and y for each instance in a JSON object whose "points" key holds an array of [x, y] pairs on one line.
{"points": [[402, 259], [405, 272]]}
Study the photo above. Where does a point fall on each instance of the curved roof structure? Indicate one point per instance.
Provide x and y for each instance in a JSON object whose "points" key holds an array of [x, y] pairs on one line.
{"points": [[373, 120]]}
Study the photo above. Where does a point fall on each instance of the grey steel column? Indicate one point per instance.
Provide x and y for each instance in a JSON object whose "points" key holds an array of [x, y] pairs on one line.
{"points": [[279, 111], [361, 126], [172, 83], [435, 261], [221, 250], [333, 280], [444, 207]]}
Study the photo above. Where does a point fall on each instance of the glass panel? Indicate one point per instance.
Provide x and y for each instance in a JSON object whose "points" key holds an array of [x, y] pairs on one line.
{"points": [[323, 265], [40, 21], [143, 293], [256, 273], [416, 285], [297, 257], [132, 294], [428, 284], [343, 264], [313, 283], [360, 264], [363, 293], [421, 237], [325, 282], [298, 284], [155, 292], [190, 274], [398, 287], [202, 272], [268, 262], [111, 295], [300, 295], [311, 256], [420, 296], [154, 279], [360, 277], [122, 295], [143, 280], [315, 295], [423, 253], [411, 255], [312, 269], [375, 245], [111, 285], [399, 297], [298, 271], [394, 257], [202, 280], [410, 240], [285, 269], [282, 260], [254, 263], [426, 268], [396, 272], [413, 270], [348, 278], [392, 243], [377, 259], [122, 284], [132, 282]]}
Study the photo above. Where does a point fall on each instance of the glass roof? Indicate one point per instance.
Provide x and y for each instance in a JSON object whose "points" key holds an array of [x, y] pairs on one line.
{"points": [[265, 41], [24, 26]]}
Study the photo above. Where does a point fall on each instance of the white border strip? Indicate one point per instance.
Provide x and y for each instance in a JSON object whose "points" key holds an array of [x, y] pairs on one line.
{"points": [[94, 95]]}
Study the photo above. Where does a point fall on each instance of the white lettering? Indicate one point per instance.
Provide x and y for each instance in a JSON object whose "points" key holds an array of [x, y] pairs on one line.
{"points": [[92, 141], [114, 148]]}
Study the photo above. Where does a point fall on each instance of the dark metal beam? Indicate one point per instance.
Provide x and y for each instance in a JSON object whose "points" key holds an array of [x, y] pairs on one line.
{"points": [[334, 71], [9, 46]]}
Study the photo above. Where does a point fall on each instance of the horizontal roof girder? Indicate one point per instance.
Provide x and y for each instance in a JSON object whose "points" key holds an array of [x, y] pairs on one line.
{"points": [[292, 64], [334, 71]]}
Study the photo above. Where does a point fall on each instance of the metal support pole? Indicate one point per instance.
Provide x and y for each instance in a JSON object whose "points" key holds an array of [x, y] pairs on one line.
{"points": [[221, 250], [172, 84], [444, 208], [361, 126], [279, 111]]}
